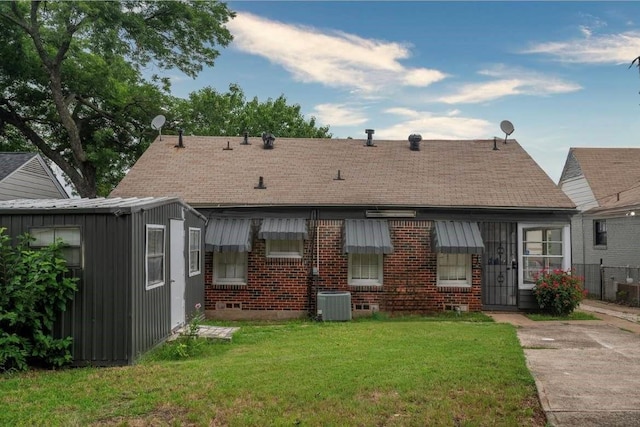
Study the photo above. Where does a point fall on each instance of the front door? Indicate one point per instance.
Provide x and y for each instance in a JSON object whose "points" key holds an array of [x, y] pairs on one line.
{"points": [[500, 269], [176, 251]]}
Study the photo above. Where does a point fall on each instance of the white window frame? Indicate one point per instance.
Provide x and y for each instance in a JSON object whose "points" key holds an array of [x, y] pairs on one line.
{"points": [[149, 286], [198, 251], [55, 229], [366, 282], [466, 283], [229, 280], [566, 248], [271, 253]]}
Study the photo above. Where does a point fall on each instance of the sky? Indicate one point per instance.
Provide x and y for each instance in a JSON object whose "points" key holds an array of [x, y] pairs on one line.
{"points": [[558, 71]]}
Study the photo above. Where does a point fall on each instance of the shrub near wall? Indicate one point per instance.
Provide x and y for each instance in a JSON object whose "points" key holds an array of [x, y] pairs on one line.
{"points": [[559, 292], [33, 291]]}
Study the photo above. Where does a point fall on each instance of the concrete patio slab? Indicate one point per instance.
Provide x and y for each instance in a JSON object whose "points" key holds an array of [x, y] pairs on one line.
{"points": [[210, 332]]}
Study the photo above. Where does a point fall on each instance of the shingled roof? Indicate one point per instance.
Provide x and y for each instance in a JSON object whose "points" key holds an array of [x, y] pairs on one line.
{"points": [[607, 170], [9, 162], [303, 172]]}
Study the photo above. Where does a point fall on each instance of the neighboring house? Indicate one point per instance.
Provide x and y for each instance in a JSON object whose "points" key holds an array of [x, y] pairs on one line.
{"points": [[426, 226], [603, 183], [27, 176], [139, 262]]}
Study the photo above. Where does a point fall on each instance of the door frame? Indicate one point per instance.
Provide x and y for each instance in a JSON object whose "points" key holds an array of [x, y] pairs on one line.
{"points": [[177, 272]]}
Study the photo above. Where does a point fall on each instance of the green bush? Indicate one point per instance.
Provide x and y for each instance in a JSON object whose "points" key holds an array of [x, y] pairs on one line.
{"points": [[34, 289], [559, 292]]}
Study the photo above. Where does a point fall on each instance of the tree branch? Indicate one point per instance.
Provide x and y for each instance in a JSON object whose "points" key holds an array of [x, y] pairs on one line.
{"points": [[8, 115]]}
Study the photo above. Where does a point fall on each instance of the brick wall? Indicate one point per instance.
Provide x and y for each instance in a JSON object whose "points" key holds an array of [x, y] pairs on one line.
{"points": [[277, 285]]}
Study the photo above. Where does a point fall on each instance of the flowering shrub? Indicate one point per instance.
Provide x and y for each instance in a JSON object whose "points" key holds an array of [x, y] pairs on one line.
{"points": [[559, 291]]}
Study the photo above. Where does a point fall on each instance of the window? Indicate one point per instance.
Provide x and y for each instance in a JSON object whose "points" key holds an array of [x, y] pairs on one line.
{"points": [[600, 232], [543, 248], [72, 252], [365, 269], [284, 248], [454, 269], [195, 251], [155, 256], [230, 267]]}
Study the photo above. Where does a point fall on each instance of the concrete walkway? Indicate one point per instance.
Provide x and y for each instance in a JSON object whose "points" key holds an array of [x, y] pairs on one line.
{"points": [[586, 372]]}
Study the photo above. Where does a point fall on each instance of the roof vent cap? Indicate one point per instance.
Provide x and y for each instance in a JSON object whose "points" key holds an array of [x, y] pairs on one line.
{"points": [[245, 140], [370, 133], [180, 142], [267, 140], [414, 141]]}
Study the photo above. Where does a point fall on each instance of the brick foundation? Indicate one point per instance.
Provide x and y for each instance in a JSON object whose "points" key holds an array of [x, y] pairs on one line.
{"points": [[283, 288]]}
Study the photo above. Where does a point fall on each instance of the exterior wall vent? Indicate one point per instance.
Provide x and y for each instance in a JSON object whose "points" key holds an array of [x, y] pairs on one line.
{"points": [[458, 308], [228, 305], [334, 306]]}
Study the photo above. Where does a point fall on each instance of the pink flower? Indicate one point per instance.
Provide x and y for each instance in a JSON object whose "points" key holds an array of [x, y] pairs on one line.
{"points": [[198, 306]]}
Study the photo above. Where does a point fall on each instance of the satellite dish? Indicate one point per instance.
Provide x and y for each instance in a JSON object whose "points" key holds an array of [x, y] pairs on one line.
{"points": [[157, 123], [507, 128]]}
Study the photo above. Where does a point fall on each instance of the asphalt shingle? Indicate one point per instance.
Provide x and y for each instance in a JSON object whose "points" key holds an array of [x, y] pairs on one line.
{"points": [[303, 172]]}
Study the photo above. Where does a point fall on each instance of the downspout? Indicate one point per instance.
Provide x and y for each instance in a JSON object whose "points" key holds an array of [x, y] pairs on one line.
{"points": [[313, 274]]}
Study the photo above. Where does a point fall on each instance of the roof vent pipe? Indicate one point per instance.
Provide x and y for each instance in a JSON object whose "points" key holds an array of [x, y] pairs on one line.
{"points": [[180, 143], [267, 140], [245, 141], [260, 185], [414, 141], [369, 133]]}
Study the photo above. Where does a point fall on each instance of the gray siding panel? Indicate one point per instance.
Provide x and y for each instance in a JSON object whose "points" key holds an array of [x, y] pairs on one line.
{"points": [[194, 291], [113, 318], [623, 237], [31, 182], [95, 318], [580, 193], [151, 309]]}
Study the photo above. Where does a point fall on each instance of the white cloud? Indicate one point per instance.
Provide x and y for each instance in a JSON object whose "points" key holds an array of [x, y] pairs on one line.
{"points": [[593, 49], [331, 58], [405, 112], [432, 126], [338, 115], [509, 81], [422, 77]]}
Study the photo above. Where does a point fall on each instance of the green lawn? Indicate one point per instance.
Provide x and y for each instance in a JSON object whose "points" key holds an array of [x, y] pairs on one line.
{"points": [[576, 315], [384, 372]]}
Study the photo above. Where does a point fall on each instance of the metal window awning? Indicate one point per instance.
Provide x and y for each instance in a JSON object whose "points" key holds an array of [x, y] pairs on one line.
{"points": [[228, 235], [457, 237], [367, 236], [283, 229]]}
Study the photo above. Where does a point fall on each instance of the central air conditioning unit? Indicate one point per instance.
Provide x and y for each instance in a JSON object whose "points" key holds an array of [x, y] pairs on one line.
{"points": [[334, 305]]}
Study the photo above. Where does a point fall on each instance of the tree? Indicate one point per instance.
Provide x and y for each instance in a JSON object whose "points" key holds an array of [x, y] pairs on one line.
{"points": [[72, 76], [208, 112]]}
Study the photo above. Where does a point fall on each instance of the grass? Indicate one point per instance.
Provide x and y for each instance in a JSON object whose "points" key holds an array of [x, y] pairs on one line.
{"points": [[576, 315], [366, 372]]}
